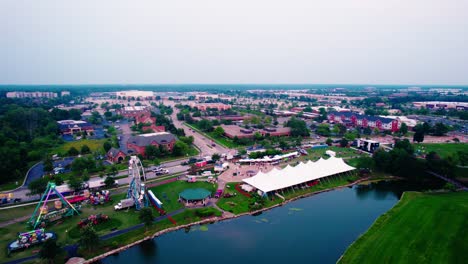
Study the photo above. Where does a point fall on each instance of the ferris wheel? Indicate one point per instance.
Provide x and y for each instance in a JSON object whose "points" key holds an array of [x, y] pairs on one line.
{"points": [[137, 189]]}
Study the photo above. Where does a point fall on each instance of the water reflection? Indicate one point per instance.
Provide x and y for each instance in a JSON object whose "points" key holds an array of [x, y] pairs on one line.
{"points": [[149, 248]]}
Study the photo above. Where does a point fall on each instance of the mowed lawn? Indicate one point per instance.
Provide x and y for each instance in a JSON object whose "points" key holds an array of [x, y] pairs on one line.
{"points": [[93, 144], [421, 228], [168, 194], [443, 149]]}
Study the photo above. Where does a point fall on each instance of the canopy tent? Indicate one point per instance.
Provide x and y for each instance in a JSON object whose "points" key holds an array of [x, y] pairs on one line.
{"points": [[194, 194], [275, 158], [304, 172]]}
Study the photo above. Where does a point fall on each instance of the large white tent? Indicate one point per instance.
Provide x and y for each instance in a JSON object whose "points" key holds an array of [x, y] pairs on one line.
{"points": [[268, 159], [304, 172]]}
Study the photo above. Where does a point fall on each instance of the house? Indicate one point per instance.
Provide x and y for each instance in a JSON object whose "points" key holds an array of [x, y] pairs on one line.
{"points": [[357, 120], [115, 155], [138, 143], [71, 127]]}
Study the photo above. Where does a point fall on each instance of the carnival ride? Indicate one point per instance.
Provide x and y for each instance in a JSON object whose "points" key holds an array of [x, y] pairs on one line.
{"points": [[137, 188], [62, 208], [31, 238]]}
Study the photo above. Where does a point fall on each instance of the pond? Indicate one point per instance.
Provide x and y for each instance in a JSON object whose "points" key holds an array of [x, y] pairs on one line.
{"points": [[314, 229]]}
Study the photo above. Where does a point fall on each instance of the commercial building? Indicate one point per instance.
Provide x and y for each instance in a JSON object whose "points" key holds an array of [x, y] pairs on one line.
{"points": [[442, 105], [206, 106], [138, 143], [31, 95], [70, 127], [135, 94], [351, 119], [232, 131]]}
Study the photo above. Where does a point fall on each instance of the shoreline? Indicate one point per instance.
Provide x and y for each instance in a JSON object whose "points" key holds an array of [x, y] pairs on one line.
{"points": [[217, 219]]}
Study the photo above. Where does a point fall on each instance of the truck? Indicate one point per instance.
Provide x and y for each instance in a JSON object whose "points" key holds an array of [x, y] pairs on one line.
{"points": [[125, 203]]}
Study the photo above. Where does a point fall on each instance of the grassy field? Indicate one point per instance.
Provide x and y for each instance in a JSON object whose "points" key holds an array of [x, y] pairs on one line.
{"points": [[171, 192], [421, 228], [315, 154], [93, 144], [443, 149]]}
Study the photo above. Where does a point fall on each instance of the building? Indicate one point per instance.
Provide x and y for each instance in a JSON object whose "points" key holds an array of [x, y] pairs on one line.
{"points": [[138, 143], [206, 106], [31, 95], [71, 127], [135, 94], [232, 131], [64, 93], [351, 119], [442, 105], [367, 145], [115, 155]]}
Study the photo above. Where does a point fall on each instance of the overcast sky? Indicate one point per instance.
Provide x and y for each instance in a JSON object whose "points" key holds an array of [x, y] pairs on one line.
{"points": [[234, 41]]}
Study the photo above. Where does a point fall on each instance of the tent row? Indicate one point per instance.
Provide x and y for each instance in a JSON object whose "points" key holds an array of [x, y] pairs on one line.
{"points": [[277, 179], [268, 159]]}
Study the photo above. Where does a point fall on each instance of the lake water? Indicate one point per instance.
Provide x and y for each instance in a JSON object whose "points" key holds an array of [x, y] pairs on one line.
{"points": [[314, 229]]}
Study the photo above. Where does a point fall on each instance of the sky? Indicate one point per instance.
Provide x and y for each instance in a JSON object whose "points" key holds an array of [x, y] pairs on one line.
{"points": [[235, 41]]}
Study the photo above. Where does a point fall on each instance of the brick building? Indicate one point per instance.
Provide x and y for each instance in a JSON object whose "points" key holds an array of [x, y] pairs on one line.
{"points": [[351, 119], [138, 143], [115, 155]]}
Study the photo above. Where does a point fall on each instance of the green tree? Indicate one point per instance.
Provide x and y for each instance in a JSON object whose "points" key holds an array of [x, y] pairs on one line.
{"points": [[146, 217], [343, 142], [323, 130], [38, 186], [216, 157], [50, 249], [205, 125], [329, 141], [85, 175], [85, 149], [403, 129], [418, 137], [152, 152], [73, 151], [440, 129], [48, 164], [367, 131], [107, 146], [58, 180], [109, 181], [89, 239], [180, 148], [75, 183], [218, 132], [298, 127]]}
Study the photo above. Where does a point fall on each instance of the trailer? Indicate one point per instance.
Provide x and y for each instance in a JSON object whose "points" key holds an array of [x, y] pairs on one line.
{"points": [[154, 200]]}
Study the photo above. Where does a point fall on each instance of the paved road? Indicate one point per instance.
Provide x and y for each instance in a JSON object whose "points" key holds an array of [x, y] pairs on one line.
{"points": [[202, 142]]}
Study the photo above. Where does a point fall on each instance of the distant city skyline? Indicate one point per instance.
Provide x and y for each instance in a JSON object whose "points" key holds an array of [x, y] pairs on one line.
{"points": [[234, 42]]}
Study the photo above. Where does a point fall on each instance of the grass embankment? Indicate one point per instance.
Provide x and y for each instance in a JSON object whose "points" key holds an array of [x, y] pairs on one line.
{"points": [[421, 228], [68, 232], [93, 144], [240, 204]]}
